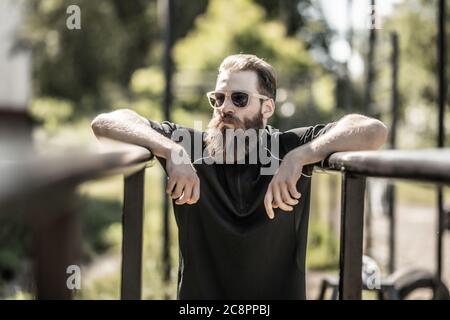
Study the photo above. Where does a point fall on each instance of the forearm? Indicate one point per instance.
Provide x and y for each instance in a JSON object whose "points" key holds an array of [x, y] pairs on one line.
{"points": [[351, 133], [127, 126]]}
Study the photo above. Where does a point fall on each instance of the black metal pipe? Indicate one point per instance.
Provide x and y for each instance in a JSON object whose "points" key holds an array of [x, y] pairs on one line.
{"points": [[394, 89], [350, 36], [351, 244], [370, 77], [167, 102], [390, 192], [442, 85], [132, 236], [369, 110]]}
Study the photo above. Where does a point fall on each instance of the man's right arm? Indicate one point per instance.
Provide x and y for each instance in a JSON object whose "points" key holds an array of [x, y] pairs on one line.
{"points": [[127, 126]]}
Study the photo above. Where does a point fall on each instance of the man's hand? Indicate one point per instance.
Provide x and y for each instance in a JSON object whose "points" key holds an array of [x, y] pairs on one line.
{"points": [[183, 184], [353, 132], [282, 191]]}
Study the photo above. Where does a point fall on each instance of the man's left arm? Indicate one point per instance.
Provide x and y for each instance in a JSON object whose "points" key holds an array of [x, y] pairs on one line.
{"points": [[353, 132]]}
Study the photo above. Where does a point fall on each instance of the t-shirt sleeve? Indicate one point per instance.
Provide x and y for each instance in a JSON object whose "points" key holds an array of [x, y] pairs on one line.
{"points": [[179, 134], [304, 135], [166, 128]]}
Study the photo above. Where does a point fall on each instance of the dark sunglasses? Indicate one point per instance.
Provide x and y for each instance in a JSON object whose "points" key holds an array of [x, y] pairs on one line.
{"points": [[239, 99]]}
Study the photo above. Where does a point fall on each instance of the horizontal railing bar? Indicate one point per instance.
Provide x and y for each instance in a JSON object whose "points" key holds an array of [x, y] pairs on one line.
{"points": [[430, 165], [29, 176]]}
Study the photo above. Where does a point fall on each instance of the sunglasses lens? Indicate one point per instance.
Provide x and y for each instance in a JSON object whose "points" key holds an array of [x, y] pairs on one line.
{"points": [[216, 99], [212, 100], [240, 99]]}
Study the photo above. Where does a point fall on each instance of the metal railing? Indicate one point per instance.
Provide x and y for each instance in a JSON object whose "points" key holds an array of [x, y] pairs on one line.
{"points": [[43, 188], [419, 165]]}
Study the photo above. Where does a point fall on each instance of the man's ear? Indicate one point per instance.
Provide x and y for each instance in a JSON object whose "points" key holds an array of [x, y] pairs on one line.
{"points": [[268, 108]]}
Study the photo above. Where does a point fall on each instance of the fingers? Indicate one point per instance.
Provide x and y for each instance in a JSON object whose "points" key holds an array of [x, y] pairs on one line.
{"points": [[268, 199], [281, 195], [278, 200], [195, 193], [286, 197], [183, 192], [170, 185], [293, 191], [186, 195], [179, 187]]}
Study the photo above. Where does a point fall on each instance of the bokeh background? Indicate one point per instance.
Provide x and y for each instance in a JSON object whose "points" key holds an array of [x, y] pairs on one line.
{"points": [[321, 51]]}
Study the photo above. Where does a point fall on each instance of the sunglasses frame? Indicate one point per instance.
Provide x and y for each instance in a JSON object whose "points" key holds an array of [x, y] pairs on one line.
{"points": [[229, 93]]}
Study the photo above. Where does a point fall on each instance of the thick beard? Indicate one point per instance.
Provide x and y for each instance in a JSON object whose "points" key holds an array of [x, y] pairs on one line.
{"points": [[215, 140]]}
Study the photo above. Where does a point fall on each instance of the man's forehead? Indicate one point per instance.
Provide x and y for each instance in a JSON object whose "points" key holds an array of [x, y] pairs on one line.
{"points": [[240, 80]]}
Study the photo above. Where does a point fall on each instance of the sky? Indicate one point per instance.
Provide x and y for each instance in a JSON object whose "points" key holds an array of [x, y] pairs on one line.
{"points": [[336, 12]]}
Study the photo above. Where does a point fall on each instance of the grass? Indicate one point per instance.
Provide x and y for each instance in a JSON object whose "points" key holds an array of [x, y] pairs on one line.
{"points": [[420, 194], [323, 250]]}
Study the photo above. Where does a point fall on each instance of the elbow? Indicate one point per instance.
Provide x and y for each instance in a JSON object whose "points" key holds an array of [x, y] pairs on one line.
{"points": [[99, 123], [378, 134], [375, 132], [104, 121]]}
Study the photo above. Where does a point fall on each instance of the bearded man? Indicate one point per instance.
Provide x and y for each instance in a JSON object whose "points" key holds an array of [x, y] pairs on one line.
{"points": [[242, 229]]}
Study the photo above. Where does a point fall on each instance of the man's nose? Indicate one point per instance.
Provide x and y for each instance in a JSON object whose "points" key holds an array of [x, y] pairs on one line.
{"points": [[227, 106]]}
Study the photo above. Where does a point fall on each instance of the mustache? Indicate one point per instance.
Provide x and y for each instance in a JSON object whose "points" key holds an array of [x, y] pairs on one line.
{"points": [[215, 137], [218, 121]]}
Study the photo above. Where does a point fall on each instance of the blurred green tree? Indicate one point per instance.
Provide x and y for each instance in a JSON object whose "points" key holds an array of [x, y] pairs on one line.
{"points": [[302, 18], [415, 22], [92, 67], [235, 26], [115, 59]]}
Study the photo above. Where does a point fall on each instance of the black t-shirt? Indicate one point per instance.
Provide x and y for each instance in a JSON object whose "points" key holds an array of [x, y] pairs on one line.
{"points": [[229, 248]]}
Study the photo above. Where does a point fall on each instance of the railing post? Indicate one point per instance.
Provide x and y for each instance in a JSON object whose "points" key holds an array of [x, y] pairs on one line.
{"points": [[56, 246], [351, 245], [390, 191], [442, 98], [132, 225], [168, 67]]}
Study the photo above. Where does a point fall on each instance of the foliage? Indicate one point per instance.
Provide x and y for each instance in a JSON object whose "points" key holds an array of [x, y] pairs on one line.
{"points": [[415, 23], [92, 67], [234, 26], [85, 65], [323, 250], [51, 112], [242, 26], [115, 60]]}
